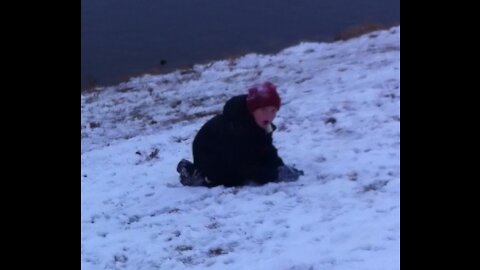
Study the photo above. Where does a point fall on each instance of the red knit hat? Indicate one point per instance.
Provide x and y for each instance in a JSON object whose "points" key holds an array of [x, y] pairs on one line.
{"points": [[262, 95]]}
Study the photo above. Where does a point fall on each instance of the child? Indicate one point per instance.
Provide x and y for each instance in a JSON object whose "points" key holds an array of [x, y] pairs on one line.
{"points": [[235, 148]]}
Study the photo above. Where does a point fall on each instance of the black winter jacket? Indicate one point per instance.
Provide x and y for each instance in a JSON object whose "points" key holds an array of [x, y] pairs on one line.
{"points": [[232, 150]]}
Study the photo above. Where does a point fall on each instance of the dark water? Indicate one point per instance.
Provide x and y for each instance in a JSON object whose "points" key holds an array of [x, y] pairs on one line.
{"points": [[121, 38]]}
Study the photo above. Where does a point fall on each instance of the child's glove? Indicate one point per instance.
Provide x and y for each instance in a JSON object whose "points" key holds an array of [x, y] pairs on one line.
{"points": [[288, 173]]}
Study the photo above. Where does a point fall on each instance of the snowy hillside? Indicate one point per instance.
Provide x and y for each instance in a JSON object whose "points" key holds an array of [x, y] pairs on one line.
{"points": [[339, 122]]}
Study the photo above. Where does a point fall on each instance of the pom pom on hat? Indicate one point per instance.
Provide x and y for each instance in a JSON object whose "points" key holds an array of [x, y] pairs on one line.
{"points": [[263, 95]]}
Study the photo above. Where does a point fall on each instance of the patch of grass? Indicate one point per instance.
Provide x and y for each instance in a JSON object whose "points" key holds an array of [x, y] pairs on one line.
{"points": [[183, 248], [89, 85], [375, 186], [216, 252], [362, 29]]}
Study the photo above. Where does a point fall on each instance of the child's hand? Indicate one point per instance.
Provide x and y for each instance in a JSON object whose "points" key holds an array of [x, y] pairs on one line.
{"points": [[288, 173]]}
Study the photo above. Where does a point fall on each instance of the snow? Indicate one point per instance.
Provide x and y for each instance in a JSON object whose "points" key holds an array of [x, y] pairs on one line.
{"points": [[339, 123]]}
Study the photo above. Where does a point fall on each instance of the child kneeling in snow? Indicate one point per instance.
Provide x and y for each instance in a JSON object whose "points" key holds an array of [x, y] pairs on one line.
{"points": [[235, 148]]}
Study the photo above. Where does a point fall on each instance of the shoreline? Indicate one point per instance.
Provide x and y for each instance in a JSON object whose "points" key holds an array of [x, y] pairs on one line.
{"points": [[92, 85]]}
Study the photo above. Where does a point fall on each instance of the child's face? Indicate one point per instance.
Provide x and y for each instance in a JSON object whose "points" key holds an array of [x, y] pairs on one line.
{"points": [[265, 115]]}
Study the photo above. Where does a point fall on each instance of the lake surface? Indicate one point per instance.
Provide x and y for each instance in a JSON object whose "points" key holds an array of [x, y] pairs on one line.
{"points": [[122, 38]]}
